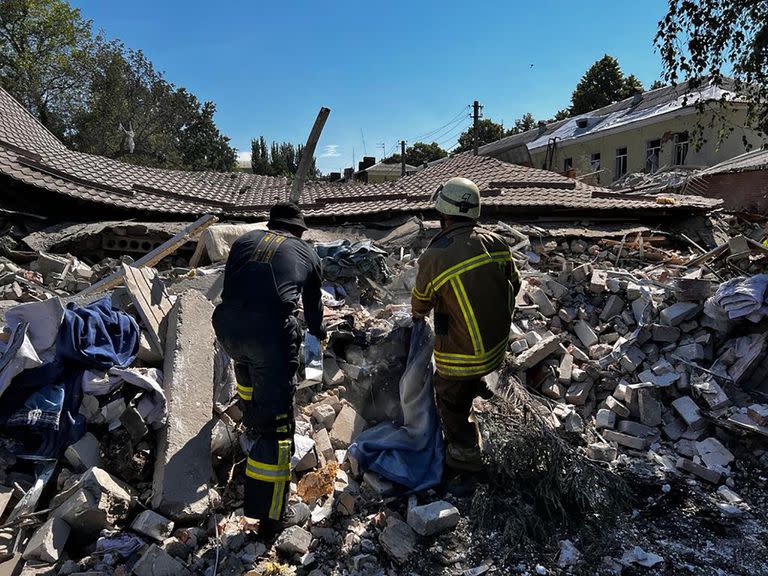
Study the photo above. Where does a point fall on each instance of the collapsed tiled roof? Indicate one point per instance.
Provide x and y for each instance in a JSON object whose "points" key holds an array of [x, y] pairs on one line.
{"points": [[30, 154], [747, 162]]}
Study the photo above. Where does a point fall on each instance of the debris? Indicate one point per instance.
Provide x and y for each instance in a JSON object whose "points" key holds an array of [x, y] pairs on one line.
{"points": [[153, 525], [398, 540], [183, 465], [294, 540], [47, 543], [346, 427], [433, 518]]}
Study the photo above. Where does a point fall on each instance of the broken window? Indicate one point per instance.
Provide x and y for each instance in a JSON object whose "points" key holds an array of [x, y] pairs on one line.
{"points": [[681, 148], [567, 164], [620, 166], [594, 162], [652, 154]]}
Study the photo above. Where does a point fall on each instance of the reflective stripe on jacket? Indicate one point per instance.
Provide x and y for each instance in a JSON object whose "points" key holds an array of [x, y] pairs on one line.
{"points": [[468, 277]]}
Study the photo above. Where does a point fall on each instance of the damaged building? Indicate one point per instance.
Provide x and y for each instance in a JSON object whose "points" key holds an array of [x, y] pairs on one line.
{"points": [[631, 403]]}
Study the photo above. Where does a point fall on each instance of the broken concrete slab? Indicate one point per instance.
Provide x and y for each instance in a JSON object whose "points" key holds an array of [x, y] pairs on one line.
{"points": [[538, 351], [625, 440], [151, 524], [585, 333], [157, 562], [711, 476], [689, 412], [713, 453], [433, 518], [85, 453], [48, 541], [613, 307], [183, 468], [346, 427], [398, 540], [324, 415], [541, 300], [95, 502], [677, 313], [323, 444]]}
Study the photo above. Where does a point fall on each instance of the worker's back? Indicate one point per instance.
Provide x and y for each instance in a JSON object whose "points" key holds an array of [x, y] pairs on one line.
{"points": [[467, 276], [265, 275]]}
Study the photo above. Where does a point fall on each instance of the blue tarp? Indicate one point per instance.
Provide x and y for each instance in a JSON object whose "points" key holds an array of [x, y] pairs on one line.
{"points": [[412, 454]]}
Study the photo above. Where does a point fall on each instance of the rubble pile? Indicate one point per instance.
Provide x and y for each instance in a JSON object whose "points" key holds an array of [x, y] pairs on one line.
{"points": [[636, 350]]}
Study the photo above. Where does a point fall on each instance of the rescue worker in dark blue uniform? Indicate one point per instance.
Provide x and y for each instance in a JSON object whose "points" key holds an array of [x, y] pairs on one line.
{"points": [[266, 273]]}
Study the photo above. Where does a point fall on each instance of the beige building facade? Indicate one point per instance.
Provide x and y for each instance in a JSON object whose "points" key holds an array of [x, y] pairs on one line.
{"points": [[651, 144]]}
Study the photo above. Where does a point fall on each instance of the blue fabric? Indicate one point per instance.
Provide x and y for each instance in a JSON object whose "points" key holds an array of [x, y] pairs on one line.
{"points": [[98, 336], [412, 454], [45, 401]]}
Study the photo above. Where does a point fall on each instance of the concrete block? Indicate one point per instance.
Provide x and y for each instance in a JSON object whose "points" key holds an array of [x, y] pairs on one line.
{"points": [[637, 429], [632, 359], [6, 494], [541, 300], [617, 407], [347, 426], [183, 468], [538, 352], [689, 412], [323, 444], [294, 540], [757, 412], [597, 283], [711, 476], [551, 388], [134, 424], [381, 487], [577, 393], [518, 346], [585, 333], [602, 451], [663, 333], [613, 307], [677, 313], [48, 541], [605, 418], [566, 369], [625, 440], [157, 562], [675, 429], [691, 352], [433, 518], [94, 503], [324, 415], [151, 524], [85, 453], [713, 453], [398, 540], [650, 408], [332, 374]]}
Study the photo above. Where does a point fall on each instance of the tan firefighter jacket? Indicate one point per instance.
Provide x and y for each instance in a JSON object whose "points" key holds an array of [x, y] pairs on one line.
{"points": [[468, 277]]}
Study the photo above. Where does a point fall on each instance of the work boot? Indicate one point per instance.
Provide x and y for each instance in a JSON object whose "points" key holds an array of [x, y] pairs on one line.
{"points": [[464, 458], [295, 515]]}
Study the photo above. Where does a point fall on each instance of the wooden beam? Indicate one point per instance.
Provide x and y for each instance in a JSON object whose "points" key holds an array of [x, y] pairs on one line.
{"points": [[150, 259], [308, 154]]}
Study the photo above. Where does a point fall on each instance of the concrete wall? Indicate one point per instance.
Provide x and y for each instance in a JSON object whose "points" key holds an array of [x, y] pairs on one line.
{"points": [[635, 139], [741, 191]]}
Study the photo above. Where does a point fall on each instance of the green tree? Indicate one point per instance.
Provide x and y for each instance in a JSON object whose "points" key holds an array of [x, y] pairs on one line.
{"points": [[701, 40], [419, 153], [522, 124], [657, 84], [260, 157], [487, 131], [169, 126], [46, 50], [603, 84]]}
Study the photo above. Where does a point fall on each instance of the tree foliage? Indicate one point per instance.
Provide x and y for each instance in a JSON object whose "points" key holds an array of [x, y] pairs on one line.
{"points": [[603, 84], [487, 131], [701, 40], [523, 124], [92, 93], [419, 153], [279, 159]]}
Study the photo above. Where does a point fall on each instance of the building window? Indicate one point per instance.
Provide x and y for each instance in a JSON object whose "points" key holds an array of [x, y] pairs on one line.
{"points": [[594, 164], [567, 164], [652, 154], [681, 148], [620, 166]]}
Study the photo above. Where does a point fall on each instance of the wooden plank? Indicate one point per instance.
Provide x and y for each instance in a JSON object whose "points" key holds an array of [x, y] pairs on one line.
{"points": [[151, 300], [151, 258]]}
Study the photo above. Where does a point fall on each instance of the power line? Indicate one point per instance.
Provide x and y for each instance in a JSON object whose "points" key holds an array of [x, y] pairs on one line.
{"points": [[454, 119], [455, 134]]}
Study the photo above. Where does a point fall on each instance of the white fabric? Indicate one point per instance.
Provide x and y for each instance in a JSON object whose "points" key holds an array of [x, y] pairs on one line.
{"points": [[21, 358], [44, 322]]}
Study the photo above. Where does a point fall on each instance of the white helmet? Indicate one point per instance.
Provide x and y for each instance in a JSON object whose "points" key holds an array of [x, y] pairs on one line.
{"points": [[458, 197]]}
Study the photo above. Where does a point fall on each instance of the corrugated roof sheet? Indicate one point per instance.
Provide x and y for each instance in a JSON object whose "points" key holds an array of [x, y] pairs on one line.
{"points": [[31, 154], [753, 160]]}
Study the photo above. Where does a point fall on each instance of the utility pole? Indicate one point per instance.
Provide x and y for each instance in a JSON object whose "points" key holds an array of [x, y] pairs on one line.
{"points": [[475, 125], [308, 154], [402, 157]]}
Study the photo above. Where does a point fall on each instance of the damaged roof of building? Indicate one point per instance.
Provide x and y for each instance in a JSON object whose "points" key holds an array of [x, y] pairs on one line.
{"points": [[622, 115], [30, 154]]}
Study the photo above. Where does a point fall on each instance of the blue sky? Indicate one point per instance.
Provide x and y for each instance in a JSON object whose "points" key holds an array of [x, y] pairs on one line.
{"points": [[388, 71]]}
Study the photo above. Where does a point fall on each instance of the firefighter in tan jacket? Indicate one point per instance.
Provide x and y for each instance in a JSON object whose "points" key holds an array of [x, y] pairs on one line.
{"points": [[467, 276]]}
